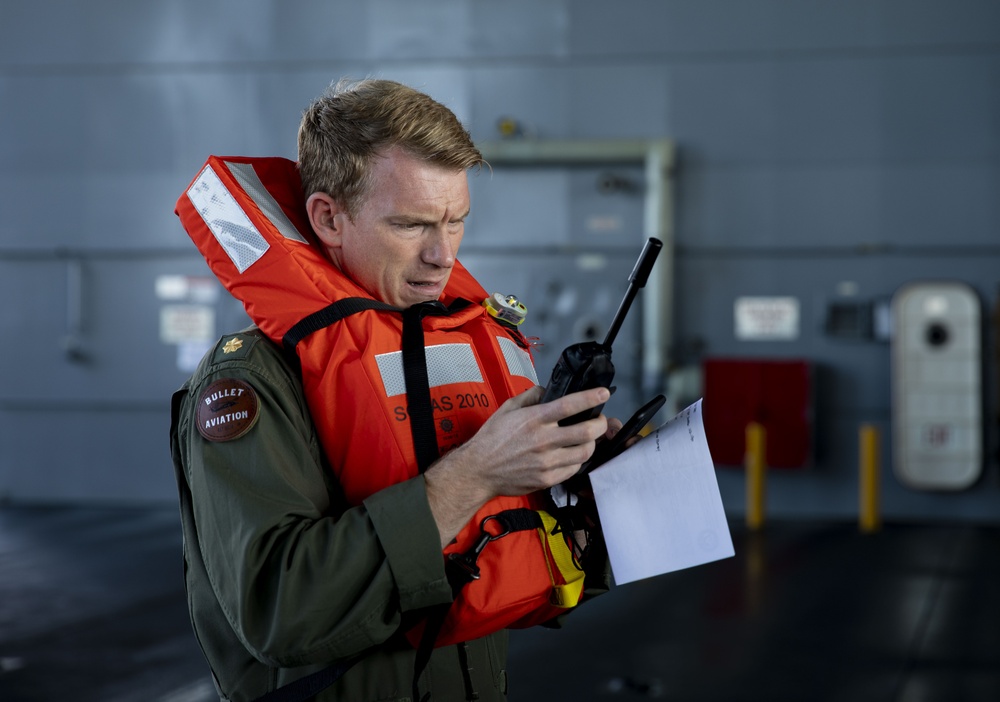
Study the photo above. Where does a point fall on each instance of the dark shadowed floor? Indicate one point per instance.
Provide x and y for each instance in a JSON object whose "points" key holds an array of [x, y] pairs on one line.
{"points": [[92, 609]]}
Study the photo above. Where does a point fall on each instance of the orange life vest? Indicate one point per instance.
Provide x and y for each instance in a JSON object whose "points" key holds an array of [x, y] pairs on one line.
{"points": [[363, 382]]}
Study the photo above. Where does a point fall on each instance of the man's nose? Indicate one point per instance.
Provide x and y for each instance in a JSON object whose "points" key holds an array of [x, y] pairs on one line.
{"points": [[440, 248]]}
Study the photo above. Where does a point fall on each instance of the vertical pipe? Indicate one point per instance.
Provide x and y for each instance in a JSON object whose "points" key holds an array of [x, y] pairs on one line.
{"points": [[72, 342], [996, 352], [658, 302], [756, 447], [74, 298], [869, 517]]}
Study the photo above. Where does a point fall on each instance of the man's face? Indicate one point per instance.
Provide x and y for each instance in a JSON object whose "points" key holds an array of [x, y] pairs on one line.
{"points": [[402, 243]]}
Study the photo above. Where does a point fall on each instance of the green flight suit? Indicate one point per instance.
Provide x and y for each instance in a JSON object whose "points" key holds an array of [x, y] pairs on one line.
{"points": [[282, 577]]}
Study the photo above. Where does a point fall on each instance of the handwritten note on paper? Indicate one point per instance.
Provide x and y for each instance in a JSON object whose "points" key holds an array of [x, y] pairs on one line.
{"points": [[659, 502]]}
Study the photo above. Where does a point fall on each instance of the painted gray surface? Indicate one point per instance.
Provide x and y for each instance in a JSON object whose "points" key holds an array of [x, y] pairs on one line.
{"points": [[820, 143]]}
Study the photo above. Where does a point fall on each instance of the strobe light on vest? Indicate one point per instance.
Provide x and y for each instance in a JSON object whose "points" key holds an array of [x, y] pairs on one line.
{"points": [[506, 308], [588, 364]]}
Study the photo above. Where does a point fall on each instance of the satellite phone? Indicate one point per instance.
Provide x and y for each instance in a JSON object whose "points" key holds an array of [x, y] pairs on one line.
{"points": [[588, 365]]}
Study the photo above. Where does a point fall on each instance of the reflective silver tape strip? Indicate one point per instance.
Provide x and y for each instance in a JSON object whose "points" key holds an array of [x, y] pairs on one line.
{"points": [[446, 364], [518, 360], [226, 220], [247, 177]]}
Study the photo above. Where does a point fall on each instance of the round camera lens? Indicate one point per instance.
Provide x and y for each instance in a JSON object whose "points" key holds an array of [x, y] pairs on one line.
{"points": [[937, 334]]}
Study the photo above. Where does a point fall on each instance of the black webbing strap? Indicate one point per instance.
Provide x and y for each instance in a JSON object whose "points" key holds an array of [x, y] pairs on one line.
{"points": [[520, 519], [436, 615], [331, 314], [418, 387], [418, 390], [418, 395]]}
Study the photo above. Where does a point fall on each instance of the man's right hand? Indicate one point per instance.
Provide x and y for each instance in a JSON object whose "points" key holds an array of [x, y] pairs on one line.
{"points": [[520, 449]]}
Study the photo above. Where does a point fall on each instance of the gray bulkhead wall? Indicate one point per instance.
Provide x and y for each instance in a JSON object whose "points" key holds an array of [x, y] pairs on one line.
{"points": [[827, 151]]}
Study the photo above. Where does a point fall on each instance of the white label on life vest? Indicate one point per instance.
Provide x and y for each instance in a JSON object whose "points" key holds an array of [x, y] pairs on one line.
{"points": [[227, 221]]}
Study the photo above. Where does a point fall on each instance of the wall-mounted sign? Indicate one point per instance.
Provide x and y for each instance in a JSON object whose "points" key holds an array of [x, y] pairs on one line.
{"points": [[188, 288], [187, 317], [766, 318], [185, 323]]}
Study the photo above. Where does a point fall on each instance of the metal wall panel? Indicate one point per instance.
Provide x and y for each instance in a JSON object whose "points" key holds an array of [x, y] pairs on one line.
{"points": [[601, 28], [849, 208], [111, 33], [741, 29], [571, 102], [932, 23], [520, 28], [110, 350], [86, 453], [402, 29], [852, 142], [520, 209]]}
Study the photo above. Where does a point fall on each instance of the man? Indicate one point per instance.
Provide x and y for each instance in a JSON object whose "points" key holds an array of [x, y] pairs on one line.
{"points": [[296, 556]]}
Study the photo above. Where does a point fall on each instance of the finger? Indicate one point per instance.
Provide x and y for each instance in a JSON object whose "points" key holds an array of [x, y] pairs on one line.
{"points": [[574, 403], [614, 426], [566, 462], [587, 431]]}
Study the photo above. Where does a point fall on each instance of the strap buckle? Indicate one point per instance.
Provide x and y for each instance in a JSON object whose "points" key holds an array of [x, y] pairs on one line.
{"points": [[467, 561]]}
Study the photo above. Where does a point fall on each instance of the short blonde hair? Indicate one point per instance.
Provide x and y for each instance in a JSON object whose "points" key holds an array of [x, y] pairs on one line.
{"points": [[353, 122]]}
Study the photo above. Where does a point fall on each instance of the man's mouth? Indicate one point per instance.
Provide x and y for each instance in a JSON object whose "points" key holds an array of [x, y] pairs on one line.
{"points": [[433, 288]]}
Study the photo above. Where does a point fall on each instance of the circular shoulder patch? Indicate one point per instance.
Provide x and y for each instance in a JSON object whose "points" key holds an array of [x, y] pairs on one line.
{"points": [[227, 410]]}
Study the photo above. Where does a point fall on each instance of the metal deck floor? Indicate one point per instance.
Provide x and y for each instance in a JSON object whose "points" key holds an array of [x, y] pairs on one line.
{"points": [[92, 609]]}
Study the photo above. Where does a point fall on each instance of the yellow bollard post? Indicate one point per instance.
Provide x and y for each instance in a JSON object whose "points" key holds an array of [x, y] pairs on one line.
{"points": [[756, 468], [869, 516]]}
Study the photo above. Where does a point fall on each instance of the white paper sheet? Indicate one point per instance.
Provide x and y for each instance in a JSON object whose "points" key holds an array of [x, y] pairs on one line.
{"points": [[659, 502]]}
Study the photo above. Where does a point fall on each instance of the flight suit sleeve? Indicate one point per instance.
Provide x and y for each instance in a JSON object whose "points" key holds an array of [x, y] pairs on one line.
{"points": [[301, 579]]}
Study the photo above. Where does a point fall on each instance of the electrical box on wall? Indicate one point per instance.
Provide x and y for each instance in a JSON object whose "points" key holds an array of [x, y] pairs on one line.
{"points": [[937, 404], [775, 393]]}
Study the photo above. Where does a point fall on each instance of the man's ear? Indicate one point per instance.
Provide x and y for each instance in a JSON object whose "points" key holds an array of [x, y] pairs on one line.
{"points": [[327, 218]]}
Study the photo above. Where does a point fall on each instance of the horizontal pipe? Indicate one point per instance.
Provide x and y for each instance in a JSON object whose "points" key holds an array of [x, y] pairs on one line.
{"points": [[82, 405]]}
